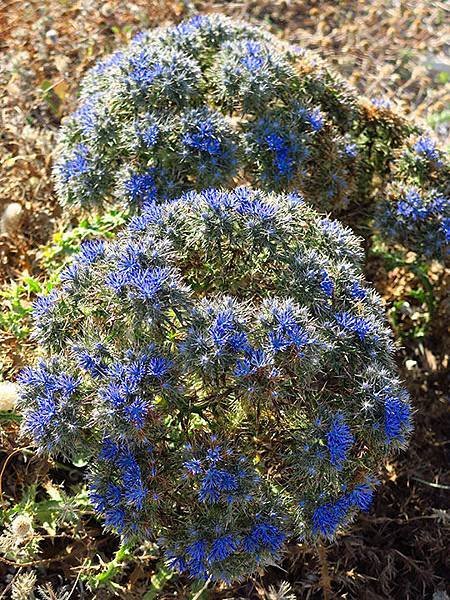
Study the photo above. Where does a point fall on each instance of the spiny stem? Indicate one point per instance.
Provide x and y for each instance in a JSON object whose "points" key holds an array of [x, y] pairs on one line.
{"points": [[325, 580]]}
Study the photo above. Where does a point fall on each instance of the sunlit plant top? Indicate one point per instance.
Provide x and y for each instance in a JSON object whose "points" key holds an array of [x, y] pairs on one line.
{"points": [[217, 102], [226, 373]]}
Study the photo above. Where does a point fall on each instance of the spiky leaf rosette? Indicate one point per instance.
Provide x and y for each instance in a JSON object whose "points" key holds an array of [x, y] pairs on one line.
{"points": [[227, 373], [415, 209], [215, 101]]}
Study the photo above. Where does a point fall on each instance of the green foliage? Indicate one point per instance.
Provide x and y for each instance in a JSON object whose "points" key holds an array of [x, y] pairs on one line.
{"points": [[107, 572], [158, 581], [17, 304], [67, 241], [18, 296], [412, 314]]}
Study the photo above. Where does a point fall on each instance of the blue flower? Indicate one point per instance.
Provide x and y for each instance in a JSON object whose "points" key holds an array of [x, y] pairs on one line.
{"points": [[147, 283], [97, 499], [116, 280], [131, 469], [196, 563], [357, 325], [130, 258], [75, 166], [313, 117], [264, 537], [351, 150], [136, 412], [151, 214], [253, 58], [190, 27], [362, 496], [44, 305], [37, 376], [141, 188], [224, 332], [397, 419], [287, 331], [175, 561], [37, 422], [214, 454], [70, 275], [113, 494], [194, 466], [256, 359], [357, 292], [326, 283], [286, 148], [158, 366], [204, 137], [89, 363], [327, 517], [113, 394], [115, 518], [135, 372], [148, 131], [214, 483], [253, 207], [284, 154], [412, 206], [134, 492], [425, 146], [142, 72], [222, 548], [90, 251], [109, 450], [135, 495], [86, 115], [68, 385], [149, 135], [446, 229], [339, 441], [278, 342]]}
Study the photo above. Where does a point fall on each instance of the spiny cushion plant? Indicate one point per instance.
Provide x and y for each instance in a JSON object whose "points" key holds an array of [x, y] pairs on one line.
{"points": [[226, 373], [217, 102], [415, 210]]}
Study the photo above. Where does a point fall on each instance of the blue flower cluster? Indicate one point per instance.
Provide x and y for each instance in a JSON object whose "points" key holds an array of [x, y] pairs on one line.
{"points": [[418, 220], [286, 149], [119, 493], [426, 147], [222, 477], [333, 514], [397, 416], [339, 441], [250, 547], [357, 325], [75, 166], [415, 210], [140, 188], [195, 106], [55, 418]]}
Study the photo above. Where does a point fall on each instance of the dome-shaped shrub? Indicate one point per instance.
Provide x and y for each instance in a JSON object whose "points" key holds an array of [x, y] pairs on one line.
{"points": [[217, 102], [227, 374]]}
